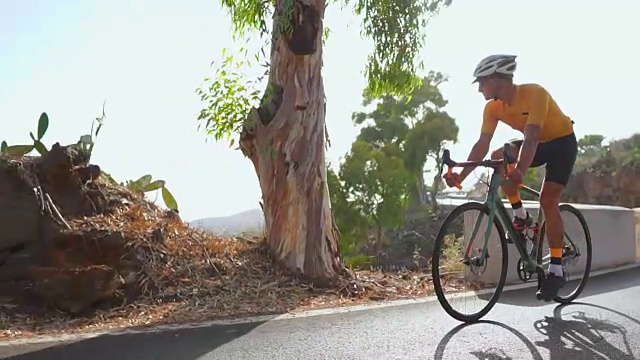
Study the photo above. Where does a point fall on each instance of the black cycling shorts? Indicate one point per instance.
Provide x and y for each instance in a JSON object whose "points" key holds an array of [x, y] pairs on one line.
{"points": [[559, 155]]}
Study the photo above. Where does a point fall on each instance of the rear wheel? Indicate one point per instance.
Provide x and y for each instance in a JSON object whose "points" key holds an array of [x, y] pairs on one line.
{"points": [[460, 274], [576, 253]]}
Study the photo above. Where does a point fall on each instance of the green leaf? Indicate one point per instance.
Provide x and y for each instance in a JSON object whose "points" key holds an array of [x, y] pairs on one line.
{"points": [[154, 186], [98, 128], [32, 136], [228, 98], [168, 199], [40, 147], [3, 147], [19, 150], [43, 125], [143, 181], [397, 29]]}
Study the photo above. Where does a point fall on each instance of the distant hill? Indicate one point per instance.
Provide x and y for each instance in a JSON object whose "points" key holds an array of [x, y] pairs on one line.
{"points": [[253, 220], [250, 220]]}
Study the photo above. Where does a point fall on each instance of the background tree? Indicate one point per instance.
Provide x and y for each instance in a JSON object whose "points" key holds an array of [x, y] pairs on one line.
{"points": [[376, 184], [415, 127], [590, 143], [283, 133], [626, 152], [351, 223], [590, 147]]}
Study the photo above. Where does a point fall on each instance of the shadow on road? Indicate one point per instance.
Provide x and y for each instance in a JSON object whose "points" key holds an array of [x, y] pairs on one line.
{"points": [[595, 285], [570, 334], [578, 335], [491, 353], [183, 344]]}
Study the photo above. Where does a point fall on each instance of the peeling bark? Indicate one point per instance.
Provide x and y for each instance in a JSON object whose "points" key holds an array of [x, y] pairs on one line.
{"points": [[285, 138]]}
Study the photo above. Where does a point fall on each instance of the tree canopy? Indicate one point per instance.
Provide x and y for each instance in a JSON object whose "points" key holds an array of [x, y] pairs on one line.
{"points": [[412, 127], [397, 29]]}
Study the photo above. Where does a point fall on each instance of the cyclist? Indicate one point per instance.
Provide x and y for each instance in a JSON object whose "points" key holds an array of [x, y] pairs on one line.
{"points": [[548, 140]]}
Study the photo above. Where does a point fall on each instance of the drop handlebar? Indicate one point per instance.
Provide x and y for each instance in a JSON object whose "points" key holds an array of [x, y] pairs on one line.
{"points": [[507, 159]]}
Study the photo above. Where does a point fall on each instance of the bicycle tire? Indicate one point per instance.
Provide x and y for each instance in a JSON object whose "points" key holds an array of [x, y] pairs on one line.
{"points": [[435, 269], [589, 252]]}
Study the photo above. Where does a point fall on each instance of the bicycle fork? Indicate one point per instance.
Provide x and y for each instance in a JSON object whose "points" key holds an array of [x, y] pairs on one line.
{"points": [[479, 261]]}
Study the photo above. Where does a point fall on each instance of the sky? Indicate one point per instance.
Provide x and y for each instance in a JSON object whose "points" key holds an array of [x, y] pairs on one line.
{"points": [[146, 58]]}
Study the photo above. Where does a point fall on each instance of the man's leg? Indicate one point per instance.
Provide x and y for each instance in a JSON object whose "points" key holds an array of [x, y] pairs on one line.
{"points": [[521, 217], [549, 203], [562, 158]]}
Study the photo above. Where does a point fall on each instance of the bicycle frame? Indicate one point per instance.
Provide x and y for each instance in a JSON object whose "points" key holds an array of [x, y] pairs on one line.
{"points": [[496, 207]]}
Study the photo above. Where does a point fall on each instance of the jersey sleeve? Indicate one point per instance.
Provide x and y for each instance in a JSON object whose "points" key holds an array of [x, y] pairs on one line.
{"points": [[489, 119], [539, 106]]}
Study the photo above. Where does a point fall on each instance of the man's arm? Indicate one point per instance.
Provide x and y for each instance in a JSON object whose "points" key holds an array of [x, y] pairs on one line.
{"points": [[481, 147], [478, 152], [529, 146], [537, 117]]}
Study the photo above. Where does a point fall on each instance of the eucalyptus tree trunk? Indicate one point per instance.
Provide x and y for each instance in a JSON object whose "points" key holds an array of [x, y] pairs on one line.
{"points": [[285, 140]]}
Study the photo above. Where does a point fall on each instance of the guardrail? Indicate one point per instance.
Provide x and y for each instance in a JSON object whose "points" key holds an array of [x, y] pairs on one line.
{"points": [[615, 236]]}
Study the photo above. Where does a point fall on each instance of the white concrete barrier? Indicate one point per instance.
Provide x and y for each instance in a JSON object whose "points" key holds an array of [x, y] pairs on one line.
{"points": [[615, 237], [637, 215]]}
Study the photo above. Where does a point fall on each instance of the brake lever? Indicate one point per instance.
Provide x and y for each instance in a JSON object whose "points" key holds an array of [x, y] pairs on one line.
{"points": [[446, 160]]}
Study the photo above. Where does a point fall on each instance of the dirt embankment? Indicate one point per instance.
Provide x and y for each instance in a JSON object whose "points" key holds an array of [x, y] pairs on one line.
{"points": [[78, 252]]}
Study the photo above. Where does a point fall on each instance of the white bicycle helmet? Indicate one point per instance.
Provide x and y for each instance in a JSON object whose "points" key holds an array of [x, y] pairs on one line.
{"points": [[492, 64]]}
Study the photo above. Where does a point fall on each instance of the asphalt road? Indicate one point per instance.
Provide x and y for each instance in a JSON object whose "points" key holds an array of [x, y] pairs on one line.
{"points": [[603, 325]]}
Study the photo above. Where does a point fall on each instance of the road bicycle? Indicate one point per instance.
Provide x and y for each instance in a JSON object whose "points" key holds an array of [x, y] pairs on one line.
{"points": [[531, 260]]}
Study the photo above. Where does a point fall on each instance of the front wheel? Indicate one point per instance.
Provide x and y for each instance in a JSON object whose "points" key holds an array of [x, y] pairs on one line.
{"points": [[576, 253], [458, 265]]}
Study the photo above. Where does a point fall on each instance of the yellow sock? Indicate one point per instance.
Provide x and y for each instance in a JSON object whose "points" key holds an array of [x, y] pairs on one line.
{"points": [[514, 199]]}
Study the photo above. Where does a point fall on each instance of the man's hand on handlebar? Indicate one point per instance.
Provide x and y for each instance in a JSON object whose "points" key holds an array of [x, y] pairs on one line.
{"points": [[453, 180]]}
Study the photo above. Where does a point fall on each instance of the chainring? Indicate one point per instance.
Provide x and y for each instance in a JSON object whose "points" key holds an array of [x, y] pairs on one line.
{"points": [[523, 274]]}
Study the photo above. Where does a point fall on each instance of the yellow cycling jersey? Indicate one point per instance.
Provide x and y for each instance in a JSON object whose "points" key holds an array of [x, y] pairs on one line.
{"points": [[532, 104]]}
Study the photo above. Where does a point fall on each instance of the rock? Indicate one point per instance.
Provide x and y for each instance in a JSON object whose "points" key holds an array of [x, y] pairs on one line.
{"points": [[18, 205], [76, 290], [82, 248]]}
